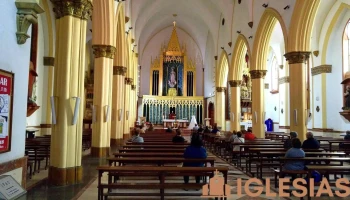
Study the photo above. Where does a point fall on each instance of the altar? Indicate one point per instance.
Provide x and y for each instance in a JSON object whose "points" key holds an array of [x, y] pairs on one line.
{"points": [[176, 123]]}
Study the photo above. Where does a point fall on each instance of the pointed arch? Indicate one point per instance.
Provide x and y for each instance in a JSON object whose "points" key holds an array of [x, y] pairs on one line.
{"points": [[301, 25], [240, 50], [222, 70], [120, 36], [263, 35]]}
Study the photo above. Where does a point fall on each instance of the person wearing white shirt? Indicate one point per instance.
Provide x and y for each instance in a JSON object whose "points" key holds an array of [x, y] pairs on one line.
{"points": [[238, 139]]}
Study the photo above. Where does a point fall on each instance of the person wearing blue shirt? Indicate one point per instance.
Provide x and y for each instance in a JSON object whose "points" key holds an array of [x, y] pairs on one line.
{"points": [[269, 125], [195, 150], [137, 138], [310, 142], [295, 152]]}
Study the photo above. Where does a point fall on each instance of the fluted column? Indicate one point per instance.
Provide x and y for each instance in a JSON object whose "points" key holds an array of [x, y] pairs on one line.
{"points": [[235, 104], [102, 102], [220, 107], [118, 104], [103, 44], [128, 83], [258, 108], [297, 91], [66, 138]]}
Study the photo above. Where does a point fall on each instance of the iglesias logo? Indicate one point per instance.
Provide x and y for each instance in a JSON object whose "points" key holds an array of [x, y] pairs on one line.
{"points": [[254, 187]]}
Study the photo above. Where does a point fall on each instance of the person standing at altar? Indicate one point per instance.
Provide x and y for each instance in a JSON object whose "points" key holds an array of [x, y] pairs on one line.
{"points": [[172, 115]]}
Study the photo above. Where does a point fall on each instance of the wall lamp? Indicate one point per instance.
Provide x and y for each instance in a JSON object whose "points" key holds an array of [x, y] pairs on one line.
{"points": [[287, 7], [265, 5], [238, 32], [250, 37]]}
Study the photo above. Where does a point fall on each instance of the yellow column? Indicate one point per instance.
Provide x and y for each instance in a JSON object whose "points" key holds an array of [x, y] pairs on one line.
{"points": [[128, 82], [66, 138], [118, 104], [235, 104], [220, 107], [258, 106], [102, 104], [297, 91]]}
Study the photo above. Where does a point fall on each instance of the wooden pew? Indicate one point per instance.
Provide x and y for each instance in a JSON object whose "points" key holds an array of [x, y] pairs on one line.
{"points": [[160, 161], [131, 146], [158, 172], [155, 150]]}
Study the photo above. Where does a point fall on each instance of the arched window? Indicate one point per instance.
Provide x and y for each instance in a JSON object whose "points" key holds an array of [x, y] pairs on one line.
{"points": [[346, 48], [274, 72]]}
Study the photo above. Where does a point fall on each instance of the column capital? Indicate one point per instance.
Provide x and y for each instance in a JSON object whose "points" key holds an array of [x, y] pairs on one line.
{"points": [[77, 8], [133, 87], [220, 89], [297, 56], [128, 81], [256, 74], [119, 70], [235, 83], [106, 51]]}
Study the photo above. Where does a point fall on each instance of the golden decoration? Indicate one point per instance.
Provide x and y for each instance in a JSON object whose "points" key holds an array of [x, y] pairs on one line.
{"points": [[235, 83], [255, 74], [283, 80], [266, 86], [321, 69], [119, 70], [174, 44], [316, 53], [81, 9], [133, 87], [220, 89], [128, 81], [106, 51], [297, 56]]}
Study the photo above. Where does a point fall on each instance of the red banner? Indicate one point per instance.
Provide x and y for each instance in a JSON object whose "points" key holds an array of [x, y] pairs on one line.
{"points": [[6, 87]]}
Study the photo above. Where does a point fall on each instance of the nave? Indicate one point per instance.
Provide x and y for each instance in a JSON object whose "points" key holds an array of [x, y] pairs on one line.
{"points": [[219, 148]]}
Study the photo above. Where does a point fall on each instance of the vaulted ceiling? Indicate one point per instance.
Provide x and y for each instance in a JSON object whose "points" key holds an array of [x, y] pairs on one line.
{"points": [[199, 18]]}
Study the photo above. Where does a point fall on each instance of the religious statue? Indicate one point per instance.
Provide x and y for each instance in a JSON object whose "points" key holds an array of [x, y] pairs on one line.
{"points": [[244, 91], [347, 97], [172, 80]]}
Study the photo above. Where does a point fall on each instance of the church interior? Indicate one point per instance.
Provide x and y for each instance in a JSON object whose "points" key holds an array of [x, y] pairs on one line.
{"points": [[255, 91]]}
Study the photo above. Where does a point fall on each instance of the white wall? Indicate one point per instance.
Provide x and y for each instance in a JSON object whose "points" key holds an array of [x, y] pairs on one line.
{"points": [[15, 58], [152, 50], [334, 88]]}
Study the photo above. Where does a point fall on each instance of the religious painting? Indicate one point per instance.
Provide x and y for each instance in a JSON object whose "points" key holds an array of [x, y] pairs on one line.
{"points": [[6, 99], [173, 79]]}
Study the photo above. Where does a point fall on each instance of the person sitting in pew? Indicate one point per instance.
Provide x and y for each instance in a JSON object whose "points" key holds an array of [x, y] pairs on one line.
{"points": [[249, 135], [346, 137], [238, 139], [215, 129], [233, 136], [134, 133], [310, 142], [178, 137], [288, 143], [195, 150], [206, 130], [169, 130], [137, 138], [295, 152], [151, 127], [200, 130]]}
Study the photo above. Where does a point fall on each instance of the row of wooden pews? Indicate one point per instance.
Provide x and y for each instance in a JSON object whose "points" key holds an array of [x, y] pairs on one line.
{"points": [[38, 150], [154, 165], [257, 155]]}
